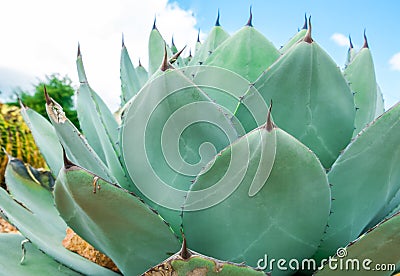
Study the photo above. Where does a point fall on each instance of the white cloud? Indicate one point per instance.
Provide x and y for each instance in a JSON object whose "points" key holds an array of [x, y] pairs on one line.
{"points": [[395, 62], [40, 37], [340, 39]]}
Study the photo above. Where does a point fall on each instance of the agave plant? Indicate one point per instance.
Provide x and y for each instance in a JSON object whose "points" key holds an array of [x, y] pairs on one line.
{"points": [[203, 165]]}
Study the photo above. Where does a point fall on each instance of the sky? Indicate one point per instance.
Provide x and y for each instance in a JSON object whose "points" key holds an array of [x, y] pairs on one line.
{"points": [[40, 37]]}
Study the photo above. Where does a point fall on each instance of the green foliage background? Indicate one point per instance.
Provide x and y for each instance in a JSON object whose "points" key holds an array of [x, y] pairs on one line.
{"points": [[60, 88]]}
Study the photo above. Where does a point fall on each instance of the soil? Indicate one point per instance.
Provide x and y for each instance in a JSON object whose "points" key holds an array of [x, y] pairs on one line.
{"points": [[5, 227]]}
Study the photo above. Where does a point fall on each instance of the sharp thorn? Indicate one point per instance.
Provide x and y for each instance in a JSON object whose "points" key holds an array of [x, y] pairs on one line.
{"points": [[269, 125], [217, 21], [250, 21], [79, 50], [305, 26], [308, 37], [154, 23], [46, 95], [351, 43], [185, 253], [365, 40]]}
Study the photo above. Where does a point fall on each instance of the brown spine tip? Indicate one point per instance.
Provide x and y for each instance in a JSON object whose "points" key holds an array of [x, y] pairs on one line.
{"points": [[140, 63], [269, 125], [185, 253], [365, 40], [164, 64], [308, 37], [351, 43], [217, 21], [250, 21], [123, 40], [305, 26], [190, 53], [67, 163], [176, 56], [79, 50], [46, 95]]}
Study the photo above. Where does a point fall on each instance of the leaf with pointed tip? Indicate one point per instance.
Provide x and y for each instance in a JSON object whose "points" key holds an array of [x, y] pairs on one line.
{"points": [[35, 261], [361, 75], [378, 248], [135, 239], [312, 100], [238, 53], [157, 48], [295, 39], [289, 211], [173, 48], [366, 180], [216, 36], [100, 129], [351, 53], [169, 132], [142, 75], [45, 138], [198, 44], [30, 208], [75, 145], [130, 83]]}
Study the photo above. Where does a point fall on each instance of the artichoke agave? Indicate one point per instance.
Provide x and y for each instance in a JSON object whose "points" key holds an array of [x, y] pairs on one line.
{"points": [[201, 160]]}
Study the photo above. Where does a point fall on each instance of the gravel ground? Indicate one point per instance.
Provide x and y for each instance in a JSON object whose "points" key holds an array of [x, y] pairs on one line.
{"points": [[5, 227]]}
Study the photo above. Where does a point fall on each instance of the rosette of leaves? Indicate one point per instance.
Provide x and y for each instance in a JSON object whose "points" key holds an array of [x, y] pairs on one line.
{"points": [[301, 184]]}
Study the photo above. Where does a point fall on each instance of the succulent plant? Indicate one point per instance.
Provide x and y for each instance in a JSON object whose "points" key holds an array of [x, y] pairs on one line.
{"points": [[235, 153], [16, 139]]}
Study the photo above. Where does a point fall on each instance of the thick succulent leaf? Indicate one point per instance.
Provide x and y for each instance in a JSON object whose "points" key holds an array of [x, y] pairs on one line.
{"points": [[157, 47], [351, 53], [45, 138], [170, 131], [142, 74], [361, 75], [377, 251], [35, 262], [380, 103], [114, 221], [288, 209], [130, 83], [30, 208], [247, 53], [76, 146], [366, 181], [100, 129], [295, 39], [216, 36], [312, 100], [226, 88]]}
